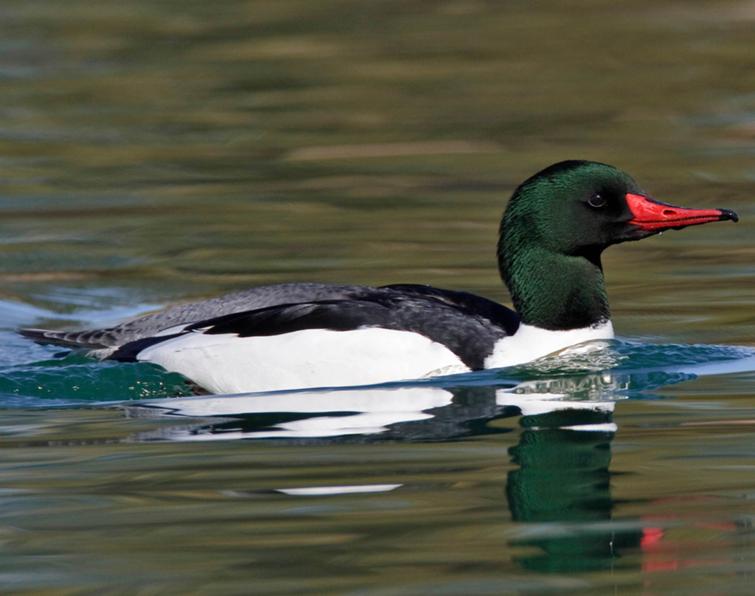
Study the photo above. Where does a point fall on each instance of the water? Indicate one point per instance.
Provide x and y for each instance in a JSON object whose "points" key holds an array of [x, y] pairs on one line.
{"points": [[158, 152]]}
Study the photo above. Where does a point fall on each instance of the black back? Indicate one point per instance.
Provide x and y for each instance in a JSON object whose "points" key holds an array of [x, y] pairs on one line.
{"points": [[466, 324]]}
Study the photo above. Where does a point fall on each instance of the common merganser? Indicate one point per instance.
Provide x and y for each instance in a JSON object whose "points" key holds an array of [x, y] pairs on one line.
{"points": [[288, 336]]}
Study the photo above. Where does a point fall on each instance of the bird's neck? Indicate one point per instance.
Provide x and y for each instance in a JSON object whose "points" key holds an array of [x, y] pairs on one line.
{"points": [[554, 291]]}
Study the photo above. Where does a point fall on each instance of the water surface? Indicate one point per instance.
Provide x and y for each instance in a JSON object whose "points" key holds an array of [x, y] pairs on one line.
{"points": [[158, 152]]}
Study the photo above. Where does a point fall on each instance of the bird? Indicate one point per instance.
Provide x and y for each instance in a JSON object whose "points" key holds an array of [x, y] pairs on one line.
{"points": [[553, 232]]}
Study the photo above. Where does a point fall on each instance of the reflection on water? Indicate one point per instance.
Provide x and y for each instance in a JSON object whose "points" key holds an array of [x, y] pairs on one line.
{"points": [[562, 490], [560, 486], [558, 489], [518, 476], [412, 412], [407, 413]]}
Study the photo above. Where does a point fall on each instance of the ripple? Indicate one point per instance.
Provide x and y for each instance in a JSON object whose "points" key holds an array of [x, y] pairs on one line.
{"points": [[603, 370]]}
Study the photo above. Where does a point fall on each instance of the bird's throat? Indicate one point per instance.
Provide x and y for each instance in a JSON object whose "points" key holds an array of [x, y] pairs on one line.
{"points": [[556, 291]]}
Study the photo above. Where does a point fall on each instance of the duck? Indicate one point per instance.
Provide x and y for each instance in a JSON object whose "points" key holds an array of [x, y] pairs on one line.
{"points": [[553, 232]]}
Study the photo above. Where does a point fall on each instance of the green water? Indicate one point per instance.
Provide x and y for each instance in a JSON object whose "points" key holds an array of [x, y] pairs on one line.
{"points": [[153, 152]]}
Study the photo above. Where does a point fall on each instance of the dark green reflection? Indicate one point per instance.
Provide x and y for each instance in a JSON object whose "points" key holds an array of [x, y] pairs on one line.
{"points": [[563, 480]]}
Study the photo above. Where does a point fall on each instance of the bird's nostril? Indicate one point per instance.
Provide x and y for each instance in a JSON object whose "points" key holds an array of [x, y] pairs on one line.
{"points": [[669, 212]]}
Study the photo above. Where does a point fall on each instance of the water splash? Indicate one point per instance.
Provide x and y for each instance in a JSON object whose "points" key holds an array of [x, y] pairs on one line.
{"points": [[75, 379]]}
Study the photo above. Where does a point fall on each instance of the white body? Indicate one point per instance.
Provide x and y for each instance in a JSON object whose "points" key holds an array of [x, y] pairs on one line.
{"points": [[308, 358], [530, 343], [322, 358]]}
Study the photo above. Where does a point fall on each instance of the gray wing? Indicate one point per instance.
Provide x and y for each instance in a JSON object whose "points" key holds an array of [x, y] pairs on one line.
{"points": [[184, 314]]}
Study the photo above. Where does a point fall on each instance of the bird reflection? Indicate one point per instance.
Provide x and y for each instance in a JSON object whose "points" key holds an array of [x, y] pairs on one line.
{"points": [[561, 489], [363, 415], [405, 412], [558, 490]]}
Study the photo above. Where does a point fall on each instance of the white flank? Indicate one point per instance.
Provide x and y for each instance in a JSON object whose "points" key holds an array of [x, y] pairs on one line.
{"points": [[530, 343], [309, 358]]}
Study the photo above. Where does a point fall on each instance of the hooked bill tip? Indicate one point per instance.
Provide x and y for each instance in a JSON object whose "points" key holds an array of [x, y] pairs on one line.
{"points": [[728, 214]]}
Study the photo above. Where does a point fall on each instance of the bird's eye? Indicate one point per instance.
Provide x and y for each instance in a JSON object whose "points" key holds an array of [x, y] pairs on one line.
{"points": [[597, 200]]}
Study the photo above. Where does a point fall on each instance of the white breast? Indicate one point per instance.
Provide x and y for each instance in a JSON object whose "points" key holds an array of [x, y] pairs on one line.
{"points": [[530, 343], [308, 358]]}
